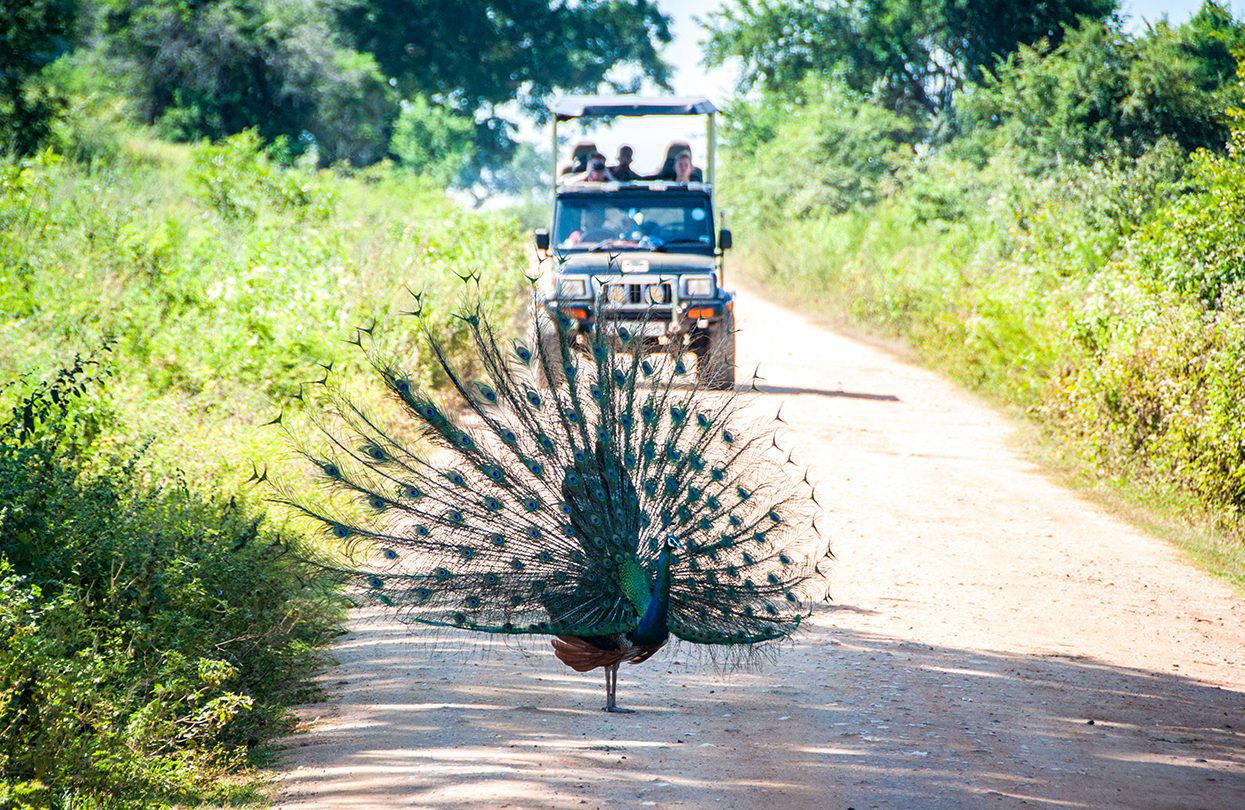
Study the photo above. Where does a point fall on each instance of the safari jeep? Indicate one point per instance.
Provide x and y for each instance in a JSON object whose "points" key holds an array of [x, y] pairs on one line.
{"points": [[647, 252]]}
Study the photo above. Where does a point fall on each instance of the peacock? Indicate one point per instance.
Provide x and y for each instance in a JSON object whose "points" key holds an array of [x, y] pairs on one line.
{"points": [[587, 489]]}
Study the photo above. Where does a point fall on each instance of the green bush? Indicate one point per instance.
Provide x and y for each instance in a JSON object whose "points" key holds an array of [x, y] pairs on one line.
{"points": [[151, 637]]}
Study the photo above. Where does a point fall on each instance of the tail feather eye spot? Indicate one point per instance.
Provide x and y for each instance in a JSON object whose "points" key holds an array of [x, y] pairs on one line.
{"points": [[422, 531], [375, 582], [703, 420], [523, 353], [377, 503], [414, 492], [534, 532], [728, 437], [492, 504], [331, 469], [376, 452], [472, 601], [389, 554], [491, 579], [442, 575], [498, 540], [339, 531]]}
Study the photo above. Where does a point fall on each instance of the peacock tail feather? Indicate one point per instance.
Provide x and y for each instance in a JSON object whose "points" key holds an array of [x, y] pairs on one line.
{"points": [[537, 498]]}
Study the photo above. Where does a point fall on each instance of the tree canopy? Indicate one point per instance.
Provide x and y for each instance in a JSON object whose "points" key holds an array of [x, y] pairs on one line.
{"points": [[33, 34], [912, 56], [337, 76]]}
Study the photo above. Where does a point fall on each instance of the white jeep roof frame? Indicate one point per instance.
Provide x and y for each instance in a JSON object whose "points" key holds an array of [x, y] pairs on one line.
{"points": [[568, 108]]}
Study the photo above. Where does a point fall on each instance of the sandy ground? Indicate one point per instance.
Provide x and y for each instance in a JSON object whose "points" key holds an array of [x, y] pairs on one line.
{"points": [[996, 641]]}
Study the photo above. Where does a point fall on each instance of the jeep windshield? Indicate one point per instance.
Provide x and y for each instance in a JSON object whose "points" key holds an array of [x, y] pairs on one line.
{"points": [[620, 222]]}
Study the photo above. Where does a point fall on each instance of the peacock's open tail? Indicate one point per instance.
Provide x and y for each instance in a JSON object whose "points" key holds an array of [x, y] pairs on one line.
{"points": [[567, 489]]}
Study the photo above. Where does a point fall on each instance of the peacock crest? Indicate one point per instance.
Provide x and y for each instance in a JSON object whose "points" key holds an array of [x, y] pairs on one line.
{"points": [[587, 488]]}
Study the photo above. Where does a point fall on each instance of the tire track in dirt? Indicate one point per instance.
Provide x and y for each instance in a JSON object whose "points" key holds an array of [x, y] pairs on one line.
{"points": [[983, 617]]}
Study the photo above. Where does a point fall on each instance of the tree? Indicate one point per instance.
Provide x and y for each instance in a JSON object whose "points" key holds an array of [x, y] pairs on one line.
{"points": [[431, 141], [825, 154], [1102, 90], [33, 34], [912, 56], [217, 67], [470, 56]]}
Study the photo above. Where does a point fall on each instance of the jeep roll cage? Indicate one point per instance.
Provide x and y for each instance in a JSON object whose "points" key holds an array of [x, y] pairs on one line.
{"points": [[570, 108]]}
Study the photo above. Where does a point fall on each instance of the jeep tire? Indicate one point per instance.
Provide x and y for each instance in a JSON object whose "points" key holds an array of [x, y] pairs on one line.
{"points": [[715, 359]]}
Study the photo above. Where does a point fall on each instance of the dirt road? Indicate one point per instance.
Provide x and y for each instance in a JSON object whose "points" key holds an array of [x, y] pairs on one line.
{"points": [[996, 641]]}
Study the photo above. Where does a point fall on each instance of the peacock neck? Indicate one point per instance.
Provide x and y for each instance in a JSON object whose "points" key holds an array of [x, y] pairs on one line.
{"points": [[652, 628]]}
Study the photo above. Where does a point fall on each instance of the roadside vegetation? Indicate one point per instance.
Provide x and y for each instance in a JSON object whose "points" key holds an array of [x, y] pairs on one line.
{"points": [[157, 624], [1061, 232], [201, 206]]}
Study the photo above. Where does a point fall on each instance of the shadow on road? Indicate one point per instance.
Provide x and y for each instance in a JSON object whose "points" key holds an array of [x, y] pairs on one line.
{"points": [[840, 719], [821, 392]]}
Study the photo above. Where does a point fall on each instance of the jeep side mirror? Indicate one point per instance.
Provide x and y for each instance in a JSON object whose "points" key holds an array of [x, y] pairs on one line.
{"points": [[542, 239], [724, 239]]}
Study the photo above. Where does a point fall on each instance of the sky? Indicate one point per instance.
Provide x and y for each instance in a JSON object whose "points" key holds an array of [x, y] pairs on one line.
{"points": [[691, 78]]}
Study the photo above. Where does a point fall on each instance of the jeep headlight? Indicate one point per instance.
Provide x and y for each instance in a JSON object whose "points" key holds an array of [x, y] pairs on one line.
{"points": [[572, 288], [699, 286]]}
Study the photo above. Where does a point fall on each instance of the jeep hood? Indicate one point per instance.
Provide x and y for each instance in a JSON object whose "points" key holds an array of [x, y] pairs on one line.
{"points": [[633, 261]]}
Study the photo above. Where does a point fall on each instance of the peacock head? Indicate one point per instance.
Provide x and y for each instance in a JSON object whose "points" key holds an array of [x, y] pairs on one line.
{"points": [[672, 546]]}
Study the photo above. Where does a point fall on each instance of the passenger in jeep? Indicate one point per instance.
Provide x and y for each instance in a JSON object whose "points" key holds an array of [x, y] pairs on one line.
{"points": [[670, 171], [622, 172], [596, 173]]}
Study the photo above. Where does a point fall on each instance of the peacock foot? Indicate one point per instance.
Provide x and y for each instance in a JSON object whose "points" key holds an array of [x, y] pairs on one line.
{"points": [[617, 710]]}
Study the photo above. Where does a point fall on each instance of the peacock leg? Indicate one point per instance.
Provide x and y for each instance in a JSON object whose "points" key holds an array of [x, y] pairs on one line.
{"points": [[611, 691]]}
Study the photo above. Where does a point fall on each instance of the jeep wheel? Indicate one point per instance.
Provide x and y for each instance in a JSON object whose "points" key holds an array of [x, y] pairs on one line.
{"points": [[549, 349], [716, 357]]}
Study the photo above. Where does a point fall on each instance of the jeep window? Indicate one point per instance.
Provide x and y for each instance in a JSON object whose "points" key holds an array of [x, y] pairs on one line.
{"points": [[677, 224]]}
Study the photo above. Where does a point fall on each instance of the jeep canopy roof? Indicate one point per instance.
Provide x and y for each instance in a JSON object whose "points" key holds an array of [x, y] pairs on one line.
{"points": [[567, 108]]}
